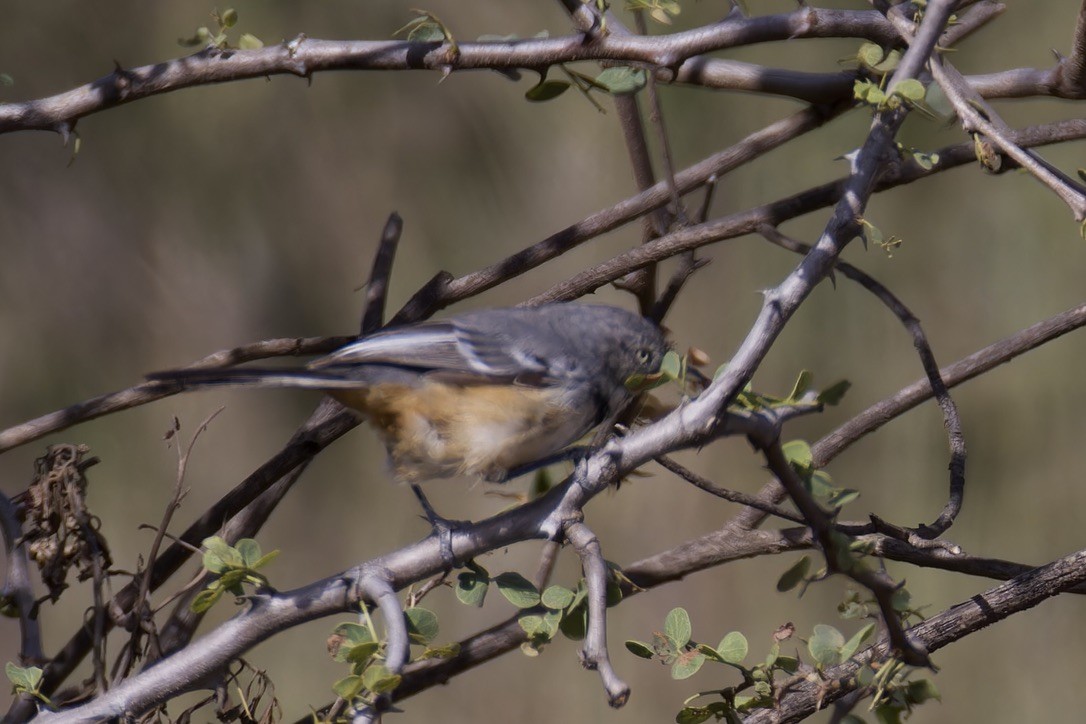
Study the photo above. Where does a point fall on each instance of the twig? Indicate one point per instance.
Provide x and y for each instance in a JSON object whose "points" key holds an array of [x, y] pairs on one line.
{"points": [[1073, 67], [18, 586], [141, 606], [149, 392], [642, 283], [373, 315], [548, 557], [594, 654], [730, 495]]}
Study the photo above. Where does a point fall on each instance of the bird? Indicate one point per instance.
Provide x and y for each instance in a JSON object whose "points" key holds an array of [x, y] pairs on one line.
{"points": [[485, 394]]}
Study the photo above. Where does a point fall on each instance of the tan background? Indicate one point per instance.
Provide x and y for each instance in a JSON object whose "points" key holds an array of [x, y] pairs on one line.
{"points": [[217, 216]]}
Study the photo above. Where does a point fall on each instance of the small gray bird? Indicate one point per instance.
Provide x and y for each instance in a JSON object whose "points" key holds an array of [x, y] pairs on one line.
{"points": [[482, 393]]}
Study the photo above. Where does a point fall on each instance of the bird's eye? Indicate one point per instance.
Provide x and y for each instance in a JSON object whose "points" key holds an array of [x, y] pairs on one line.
{"points": [[644, 355]]}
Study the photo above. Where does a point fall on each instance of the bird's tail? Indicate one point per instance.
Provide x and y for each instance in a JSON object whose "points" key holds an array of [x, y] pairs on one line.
{"points": [[192, 379]]}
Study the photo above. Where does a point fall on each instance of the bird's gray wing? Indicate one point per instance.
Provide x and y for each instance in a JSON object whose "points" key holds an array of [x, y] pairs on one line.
{"points": [[453, 349]]}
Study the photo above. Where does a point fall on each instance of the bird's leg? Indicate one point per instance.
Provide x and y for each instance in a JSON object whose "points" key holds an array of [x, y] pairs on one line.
{"points": [[442, 527]]}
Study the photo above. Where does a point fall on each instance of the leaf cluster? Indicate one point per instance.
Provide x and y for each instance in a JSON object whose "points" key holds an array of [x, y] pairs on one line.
{"points": [[234, 567], [358, 645], [218, 39], [543, 613]]}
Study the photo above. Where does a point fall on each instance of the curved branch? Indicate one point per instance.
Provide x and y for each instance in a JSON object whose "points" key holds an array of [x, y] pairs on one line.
{"points": [[305, 56]]}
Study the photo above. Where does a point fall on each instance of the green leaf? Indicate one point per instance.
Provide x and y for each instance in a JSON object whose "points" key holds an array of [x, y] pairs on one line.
{"points": [[249, 550], [794, 575], [265, 559], [788, 664], [200, 37], [833, 394], [557, 597], [825, 645], [575, 623], [870, 55], [378, 679], [660, 15], [671, 366], [423, 29], [205, 599], [218, 555], [917, 692], [901, 600], [851, 610], [6, 80], [876, 59], [613, 593], [23, 678], [888, 714], [693, 715], [471, 587], [229, 18], [348, 687], [857, 640], [232, 580], [353, 633], [842, 497], [664, 647], [552, 619], [531, 623], [546, 90], [798, 453], [637, 648], [422, 626], [803, 384], [733, 648], [248, 41], [358, 654], [540, 627], [447, 651], [868, 92], [821, 485], [911, 89], [677, 627], [622, 80], [687, 664], [517, 589]]}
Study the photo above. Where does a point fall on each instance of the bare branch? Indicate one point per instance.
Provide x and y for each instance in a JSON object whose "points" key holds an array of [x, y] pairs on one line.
{"points": [[306, 56], [377, 286], [594, 652], [1019, 594], [18, 587], [149, 392]]}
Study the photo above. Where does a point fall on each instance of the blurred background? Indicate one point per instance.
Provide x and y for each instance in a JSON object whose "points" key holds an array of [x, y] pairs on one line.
{"points": [[217, 216]]}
